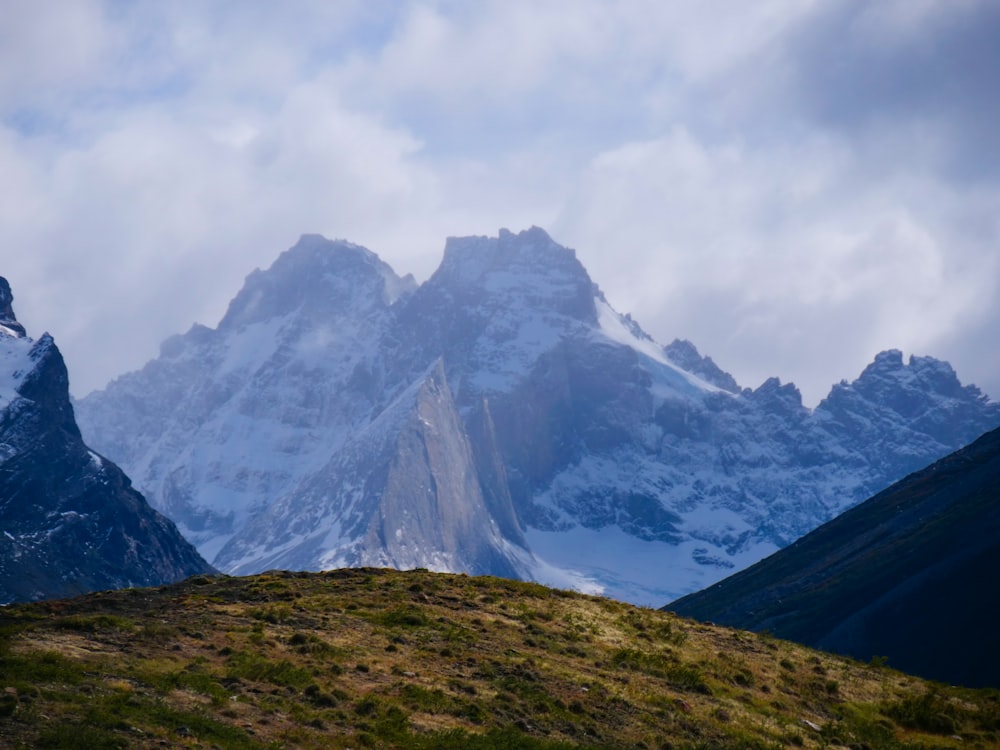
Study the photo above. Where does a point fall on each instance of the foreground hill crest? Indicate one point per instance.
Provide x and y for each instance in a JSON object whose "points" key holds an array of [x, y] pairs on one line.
{"points": [[378, 658], [590, 455]]}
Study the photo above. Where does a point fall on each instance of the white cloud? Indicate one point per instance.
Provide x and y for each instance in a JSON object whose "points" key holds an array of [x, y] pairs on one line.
{"points": [[779, 262], [152, 221], [899, 22], [746, 175], [49, 48]]}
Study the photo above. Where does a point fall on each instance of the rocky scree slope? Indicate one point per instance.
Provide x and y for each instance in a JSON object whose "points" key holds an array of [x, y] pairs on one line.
{"points": [[579, 451], [70, 521], [909, 574]]}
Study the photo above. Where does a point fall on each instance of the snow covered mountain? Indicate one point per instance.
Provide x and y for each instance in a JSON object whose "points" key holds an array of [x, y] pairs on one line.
{"points": [[71, 522], [501, 417]]}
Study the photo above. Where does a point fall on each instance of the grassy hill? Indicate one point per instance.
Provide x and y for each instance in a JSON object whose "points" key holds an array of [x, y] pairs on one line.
{"points": [[377, 658]]}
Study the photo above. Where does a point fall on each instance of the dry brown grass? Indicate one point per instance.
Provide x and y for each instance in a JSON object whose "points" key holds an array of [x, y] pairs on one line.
{"points": [[371, 658]]}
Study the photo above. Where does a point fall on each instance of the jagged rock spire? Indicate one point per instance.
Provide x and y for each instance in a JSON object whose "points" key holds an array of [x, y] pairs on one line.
{"points": [[8, 321]]}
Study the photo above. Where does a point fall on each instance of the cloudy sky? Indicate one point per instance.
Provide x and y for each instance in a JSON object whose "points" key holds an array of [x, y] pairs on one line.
{"points": [[793, 185]]}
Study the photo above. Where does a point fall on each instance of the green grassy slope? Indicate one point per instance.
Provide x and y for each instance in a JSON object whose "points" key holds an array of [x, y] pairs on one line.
{"points": [[374, 658]]}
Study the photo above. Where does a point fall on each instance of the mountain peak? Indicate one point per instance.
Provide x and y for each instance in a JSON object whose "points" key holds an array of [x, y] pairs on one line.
{"points": [[531, 234], [325, 251], [8, 321], [527, 270], [925, 373], [71, 520], [773, 391], [685, 355], [935, 371], [923, 395], [473, 256], [328, 276], [887, 361]]}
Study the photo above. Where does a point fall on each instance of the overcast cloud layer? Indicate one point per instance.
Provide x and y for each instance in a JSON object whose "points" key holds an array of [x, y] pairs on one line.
{"points": [[792, 185]]}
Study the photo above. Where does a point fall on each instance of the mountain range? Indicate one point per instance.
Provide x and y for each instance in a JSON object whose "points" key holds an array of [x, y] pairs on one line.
{"points": [[501, 417], [908, 575], [71, 522]]}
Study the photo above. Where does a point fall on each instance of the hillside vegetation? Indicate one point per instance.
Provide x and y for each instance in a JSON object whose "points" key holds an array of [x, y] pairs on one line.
{"points": [[377, 658]]}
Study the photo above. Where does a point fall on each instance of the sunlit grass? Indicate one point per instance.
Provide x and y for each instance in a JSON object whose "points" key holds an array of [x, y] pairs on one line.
{"points": [[370, 658]]}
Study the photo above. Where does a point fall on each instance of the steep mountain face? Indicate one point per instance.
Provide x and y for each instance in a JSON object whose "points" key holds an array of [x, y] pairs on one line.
{"points": [[589, 455], [420, 504], [228, 420], [907, 574], [70, 519]]}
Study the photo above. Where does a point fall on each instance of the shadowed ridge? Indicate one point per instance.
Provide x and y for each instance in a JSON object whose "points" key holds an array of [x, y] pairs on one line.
{"points": [[908, 574], [8, 321], [71, 521]]}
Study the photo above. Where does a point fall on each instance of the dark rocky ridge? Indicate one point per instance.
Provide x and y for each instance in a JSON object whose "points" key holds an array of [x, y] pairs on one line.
{"points": [[71, 521], [684, 354], [8, 320], [909, 574]]}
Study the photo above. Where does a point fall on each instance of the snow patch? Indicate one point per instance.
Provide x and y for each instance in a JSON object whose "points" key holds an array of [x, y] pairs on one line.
{"points": [[618, 565], [15, 364], [613, 328]]}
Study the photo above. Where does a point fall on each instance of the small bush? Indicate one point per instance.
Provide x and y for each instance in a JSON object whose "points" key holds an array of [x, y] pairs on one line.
{"points": [[8, 705], [743, 678], [248, 666], [80, 737], [159, 631], [681, 676], [688, 678], [307, 643], [401, 617], [274, 615], [40, 667], [418, 698], [95, 623], [928, 712]]}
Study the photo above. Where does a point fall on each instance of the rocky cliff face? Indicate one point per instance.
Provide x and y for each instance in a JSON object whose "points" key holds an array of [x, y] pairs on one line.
{"points": [[404, 492], [588, 455], [71, 522]]}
